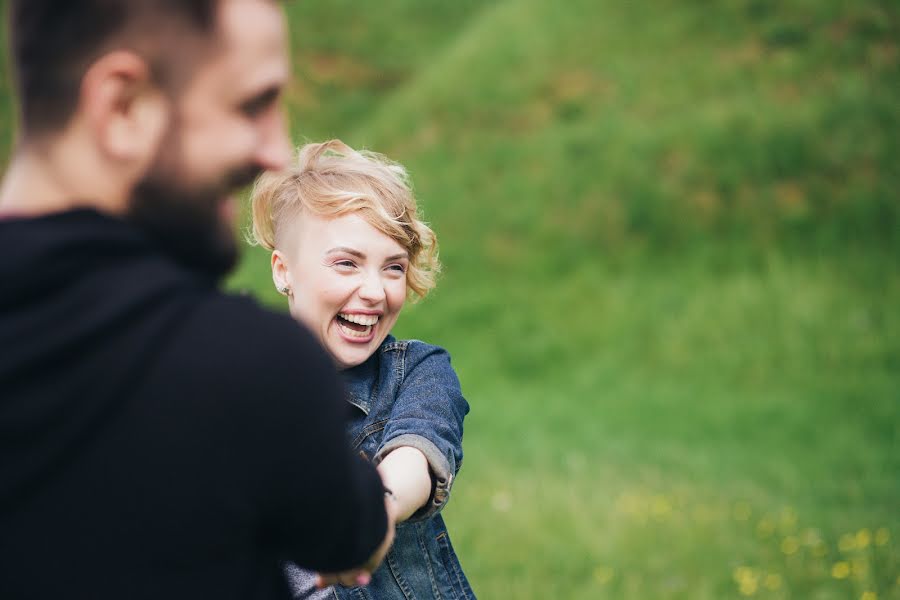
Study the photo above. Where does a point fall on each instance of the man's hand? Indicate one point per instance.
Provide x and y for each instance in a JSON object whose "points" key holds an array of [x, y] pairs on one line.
{"points": [[363, 574]]}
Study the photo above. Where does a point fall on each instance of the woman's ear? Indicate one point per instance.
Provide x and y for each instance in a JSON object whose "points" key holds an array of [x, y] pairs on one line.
{"points": [[280, 275]]}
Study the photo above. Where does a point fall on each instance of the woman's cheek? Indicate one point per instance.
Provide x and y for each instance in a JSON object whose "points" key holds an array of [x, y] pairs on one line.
{"points": [[399, 294]]}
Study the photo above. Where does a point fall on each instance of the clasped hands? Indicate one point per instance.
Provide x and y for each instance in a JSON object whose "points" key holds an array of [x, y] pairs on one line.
{"points": [[363, 574], [405, 471]]}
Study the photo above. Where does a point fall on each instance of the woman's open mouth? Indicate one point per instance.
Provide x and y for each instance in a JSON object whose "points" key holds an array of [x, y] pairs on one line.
{"points": [[356, 327]]}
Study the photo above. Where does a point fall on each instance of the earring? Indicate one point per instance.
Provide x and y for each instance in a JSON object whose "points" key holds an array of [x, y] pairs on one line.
{"points": [[285, 291]]}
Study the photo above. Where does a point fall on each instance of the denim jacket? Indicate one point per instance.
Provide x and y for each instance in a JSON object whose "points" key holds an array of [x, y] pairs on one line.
{"points": [[407, 394]]}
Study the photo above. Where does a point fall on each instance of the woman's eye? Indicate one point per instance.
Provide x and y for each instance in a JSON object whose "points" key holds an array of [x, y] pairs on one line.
{"points": [[397, 268], [344, 263]]}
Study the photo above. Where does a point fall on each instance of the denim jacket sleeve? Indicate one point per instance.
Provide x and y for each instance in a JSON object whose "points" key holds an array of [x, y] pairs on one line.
{"points": [[427, 414]]}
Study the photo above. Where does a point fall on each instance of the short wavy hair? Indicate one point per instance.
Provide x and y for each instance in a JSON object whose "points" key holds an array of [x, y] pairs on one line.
{"points": [[331, 179]]}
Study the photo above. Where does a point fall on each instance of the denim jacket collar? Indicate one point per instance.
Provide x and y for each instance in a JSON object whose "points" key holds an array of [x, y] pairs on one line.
{"points": [[359, 380]]}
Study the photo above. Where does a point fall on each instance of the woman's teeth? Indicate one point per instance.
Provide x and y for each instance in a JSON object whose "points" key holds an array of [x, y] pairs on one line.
{"points": [[358, 326], [359, 319]]}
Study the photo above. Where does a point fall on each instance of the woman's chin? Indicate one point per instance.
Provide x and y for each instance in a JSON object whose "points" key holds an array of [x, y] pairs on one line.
{"points": [[347, 356], [348, 362]]}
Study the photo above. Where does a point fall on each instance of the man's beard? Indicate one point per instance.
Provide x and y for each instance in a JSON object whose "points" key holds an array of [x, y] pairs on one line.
{"points": [[187, 223]]}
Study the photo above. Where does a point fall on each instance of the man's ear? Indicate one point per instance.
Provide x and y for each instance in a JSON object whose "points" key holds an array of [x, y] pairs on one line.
{"points": [[280, 275], [126, 111]]}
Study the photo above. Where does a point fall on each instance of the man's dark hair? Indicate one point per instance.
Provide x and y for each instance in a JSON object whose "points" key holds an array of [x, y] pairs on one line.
{"points": [[53, 42]]}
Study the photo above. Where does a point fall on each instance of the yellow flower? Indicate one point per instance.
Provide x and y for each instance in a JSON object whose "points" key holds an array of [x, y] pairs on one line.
{"points": [[603, 575], [882, 537], [765, 527], [790, 545], [747, 580], [660, 507], [847, 542], [788, 519], [811, 537], [863, 537], [773, 581], [748, 587], [742, 511], [840, 570], [820, 550], [869, 596]]}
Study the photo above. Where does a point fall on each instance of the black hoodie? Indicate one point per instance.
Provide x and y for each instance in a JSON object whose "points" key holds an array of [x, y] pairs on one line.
{"points": [[159, 439]]}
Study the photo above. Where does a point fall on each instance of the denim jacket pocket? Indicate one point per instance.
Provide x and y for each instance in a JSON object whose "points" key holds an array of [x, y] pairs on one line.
{"points": [[421, 566], [368, 439], [357, 593]]}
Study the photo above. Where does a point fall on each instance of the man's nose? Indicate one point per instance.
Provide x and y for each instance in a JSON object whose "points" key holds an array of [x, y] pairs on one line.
{"points": [[274, 151]]}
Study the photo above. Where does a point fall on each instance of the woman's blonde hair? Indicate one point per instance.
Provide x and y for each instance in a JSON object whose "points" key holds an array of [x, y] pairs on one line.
{"points": [[331, 179]]}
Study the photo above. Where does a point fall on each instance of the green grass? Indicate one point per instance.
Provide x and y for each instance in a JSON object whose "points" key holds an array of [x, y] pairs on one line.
{"points": [[670, 236], [653, 455]]}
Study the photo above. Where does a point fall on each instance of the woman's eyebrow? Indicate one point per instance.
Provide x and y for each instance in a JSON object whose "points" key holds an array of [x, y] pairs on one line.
{"points": [[346, 250], [359, 254]]}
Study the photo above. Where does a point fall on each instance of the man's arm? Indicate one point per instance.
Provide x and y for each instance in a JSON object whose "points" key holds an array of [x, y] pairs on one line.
{"points": [[317, 503], [326, 504]]}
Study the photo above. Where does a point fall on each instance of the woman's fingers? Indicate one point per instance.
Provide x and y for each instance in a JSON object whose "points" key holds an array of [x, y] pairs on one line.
{"points": [[347, 578]]}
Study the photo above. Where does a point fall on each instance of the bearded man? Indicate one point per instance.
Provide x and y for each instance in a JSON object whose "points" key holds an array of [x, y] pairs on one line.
{"points": [[158, 438]]}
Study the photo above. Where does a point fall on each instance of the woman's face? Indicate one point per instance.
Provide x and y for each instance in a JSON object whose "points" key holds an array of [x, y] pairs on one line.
{"points": [[347, 281]]}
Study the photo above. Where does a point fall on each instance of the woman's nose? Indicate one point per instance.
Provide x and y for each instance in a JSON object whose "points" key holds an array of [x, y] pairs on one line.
{"points": [[371, 289]]}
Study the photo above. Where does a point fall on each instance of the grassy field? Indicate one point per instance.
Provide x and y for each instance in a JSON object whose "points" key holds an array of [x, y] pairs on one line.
{"points": [[671, 235]]}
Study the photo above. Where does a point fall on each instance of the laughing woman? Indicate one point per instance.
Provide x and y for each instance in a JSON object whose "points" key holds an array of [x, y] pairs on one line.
{"points": [[348, 247]]}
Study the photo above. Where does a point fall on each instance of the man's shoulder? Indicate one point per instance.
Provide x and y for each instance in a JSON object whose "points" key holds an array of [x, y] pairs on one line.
{"points": [[231, 335], [241, 323], [255, 369], [243, 315]]}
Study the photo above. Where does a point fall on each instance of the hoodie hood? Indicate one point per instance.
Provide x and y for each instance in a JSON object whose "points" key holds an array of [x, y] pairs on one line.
{"points": [[86, 304]]}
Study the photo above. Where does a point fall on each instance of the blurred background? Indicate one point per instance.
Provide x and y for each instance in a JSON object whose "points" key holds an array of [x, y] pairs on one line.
{"points": [[671, 238]]}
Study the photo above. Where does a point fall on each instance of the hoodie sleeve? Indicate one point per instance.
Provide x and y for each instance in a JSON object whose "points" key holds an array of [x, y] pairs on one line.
{"points": [[319, 505], [326, 503]]}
